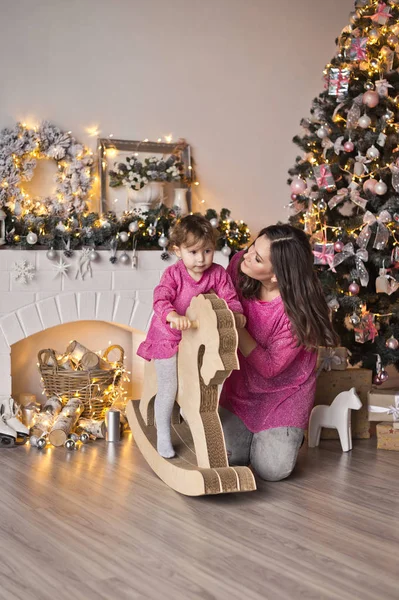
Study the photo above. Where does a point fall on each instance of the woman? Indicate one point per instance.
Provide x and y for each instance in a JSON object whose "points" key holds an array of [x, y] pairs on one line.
{"points": [[265, 406]]}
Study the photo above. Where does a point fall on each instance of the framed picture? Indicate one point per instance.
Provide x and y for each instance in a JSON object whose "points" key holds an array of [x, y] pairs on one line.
{"points": [[118, 160]]}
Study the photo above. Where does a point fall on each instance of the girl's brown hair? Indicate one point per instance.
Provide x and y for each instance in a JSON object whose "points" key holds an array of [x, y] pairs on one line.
{"points": [[193, 229], [292, 260]]}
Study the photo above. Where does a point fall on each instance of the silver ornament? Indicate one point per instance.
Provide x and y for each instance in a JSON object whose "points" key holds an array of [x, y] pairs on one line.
{"points": [[369, 85], [123, 236], [93, 255], [124, 258], [133, 226], [33, 440], [364, 121], [163, 241], [226, 250], [322, 205], [70, 444], [151, 230], [380, 188], [31, 238], [214, 222], [51, 254], [41, 443], [322, 132], [84, 437], [373, 153]]}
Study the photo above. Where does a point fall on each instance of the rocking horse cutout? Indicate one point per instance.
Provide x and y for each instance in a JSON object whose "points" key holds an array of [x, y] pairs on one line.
{"points": [[207, 355], [337, 416]]}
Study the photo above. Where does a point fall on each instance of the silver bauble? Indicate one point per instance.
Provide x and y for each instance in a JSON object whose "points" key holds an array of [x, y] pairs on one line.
{"points": [[51, 254], [373, 153], [31, 238], [124, 258], [364, 121], [41, 443], [369, 85], [392, 343], [133, 227], [214, 222], [151, 230], [226, 250], [322, 205], [380, 188], [163, 241], [322, 132], [33, 440], [93, 255], [84, 437], [74, 437], [69, 444], [123, 236]]}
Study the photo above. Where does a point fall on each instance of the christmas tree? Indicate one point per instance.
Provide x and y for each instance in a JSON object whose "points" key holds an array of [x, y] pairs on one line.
{"points": [[345, 187]]}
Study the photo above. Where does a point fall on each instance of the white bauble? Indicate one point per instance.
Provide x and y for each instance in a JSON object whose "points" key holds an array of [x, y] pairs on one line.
{"points": [[123, 236], [322, 132], [133, 227], [93, 255], [381, 188], [364, 121], [163, 241], [373, 153], [124, 258], [31, 238], [214, 222], [226, 250], [51, 254]]}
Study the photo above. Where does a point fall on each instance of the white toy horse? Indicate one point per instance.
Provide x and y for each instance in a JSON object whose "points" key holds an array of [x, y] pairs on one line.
{"points": [[336, 416]]}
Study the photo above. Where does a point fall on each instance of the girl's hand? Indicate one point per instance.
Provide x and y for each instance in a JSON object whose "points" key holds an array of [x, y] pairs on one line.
{"points": [[179, 322], [240, 320]]}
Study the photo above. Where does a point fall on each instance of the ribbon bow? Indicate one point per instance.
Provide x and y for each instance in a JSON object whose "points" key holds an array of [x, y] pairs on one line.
{"points": [[324, 172], [391, 410], [381, 13], [327, 144], [382, 235], [329, 360], [381, 86], [360, 256], [352, 194]]}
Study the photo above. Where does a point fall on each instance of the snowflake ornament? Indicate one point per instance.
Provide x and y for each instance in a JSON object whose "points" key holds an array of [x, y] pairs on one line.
{"points": [[23, 271], [61, 268]]}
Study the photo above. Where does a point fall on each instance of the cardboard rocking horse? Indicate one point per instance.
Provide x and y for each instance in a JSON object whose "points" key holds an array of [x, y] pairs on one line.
{"points": [[207, 355]]}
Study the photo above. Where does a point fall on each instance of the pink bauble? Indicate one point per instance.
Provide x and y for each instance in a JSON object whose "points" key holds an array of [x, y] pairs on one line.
{"points": [[298, 185], [392, 343], [380, 377], [371, 98], [339, 246], [349, 146], [294, 197], [369, 185], [354, 288]]}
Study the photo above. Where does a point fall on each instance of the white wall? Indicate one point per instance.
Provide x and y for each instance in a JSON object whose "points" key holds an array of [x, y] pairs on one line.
{"points": [[234, 77]]}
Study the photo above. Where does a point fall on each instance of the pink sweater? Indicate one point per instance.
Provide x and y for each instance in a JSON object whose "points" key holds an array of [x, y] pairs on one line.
{"points": [[276, 383], [175, 292]]}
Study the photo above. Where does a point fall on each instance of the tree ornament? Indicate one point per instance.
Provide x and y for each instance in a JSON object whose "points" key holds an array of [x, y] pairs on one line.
{"points": [[298, 185], [322, 205], [93, 255], [380, 188], [374, 63], [373, 153], [61, 268], [392, 39], [392, 343], [322, 132], [364, 122], [84, 437], [124, 258], [339, 246], [134, 227], [369, 185], [123, 236], [215, 222], [31, 238], [371, 98], [151, 230], [380, 377], [226, 250], [293, 198], [113, 260], [333, 304], [23, 272], [70, 444], [67, 245], [349, 146], [51, 254], [41, 443], [369, 85], [165, 256], [354, 288], [163, 241]]}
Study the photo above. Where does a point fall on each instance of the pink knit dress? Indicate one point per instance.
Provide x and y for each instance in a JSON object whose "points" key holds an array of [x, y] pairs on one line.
{"points": [[276, 383], [175, 291]]}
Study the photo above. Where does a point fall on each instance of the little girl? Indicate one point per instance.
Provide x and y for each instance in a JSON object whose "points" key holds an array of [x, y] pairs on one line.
{"points": [[193, 240]]}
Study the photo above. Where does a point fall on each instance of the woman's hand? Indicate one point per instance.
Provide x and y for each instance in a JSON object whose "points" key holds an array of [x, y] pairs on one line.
{"points": [[240, 320], [180, 322]]}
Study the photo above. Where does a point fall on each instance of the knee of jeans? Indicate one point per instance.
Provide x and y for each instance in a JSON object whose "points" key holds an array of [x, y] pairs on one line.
{"points": [[272, 472]]}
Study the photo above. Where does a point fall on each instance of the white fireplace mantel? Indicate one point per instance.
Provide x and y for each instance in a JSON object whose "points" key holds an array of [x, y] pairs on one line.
{"points": [[116, 293]]}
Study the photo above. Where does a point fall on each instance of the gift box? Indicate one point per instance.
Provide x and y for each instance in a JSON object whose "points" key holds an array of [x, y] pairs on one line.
{"points": [[323, 253], [331, 383], [338, 81], [358, 48], [383, 405], [387, 437], [387, 58], [324, 178], [365, 330], [332, 359]]}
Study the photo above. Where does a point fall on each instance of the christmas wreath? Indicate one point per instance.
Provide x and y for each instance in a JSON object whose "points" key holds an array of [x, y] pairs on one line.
{"points": [[20, 149]]}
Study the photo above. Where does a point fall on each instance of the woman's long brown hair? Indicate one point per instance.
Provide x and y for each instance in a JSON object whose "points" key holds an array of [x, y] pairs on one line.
{"points": [[292, 260]]}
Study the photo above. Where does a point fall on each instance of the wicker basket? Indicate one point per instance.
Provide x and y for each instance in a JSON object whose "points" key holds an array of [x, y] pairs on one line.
{"points": [[89, 385]]}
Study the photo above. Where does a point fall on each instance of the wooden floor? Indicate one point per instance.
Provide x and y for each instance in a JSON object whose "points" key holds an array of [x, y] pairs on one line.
{"points": [[96, 523]]}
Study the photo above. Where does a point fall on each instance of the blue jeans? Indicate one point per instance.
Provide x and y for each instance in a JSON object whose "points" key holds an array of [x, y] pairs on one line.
{"points": [[272, 453]]}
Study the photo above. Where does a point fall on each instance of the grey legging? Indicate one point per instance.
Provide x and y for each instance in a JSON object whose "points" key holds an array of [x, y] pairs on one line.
{"points": [[272, 453]]}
